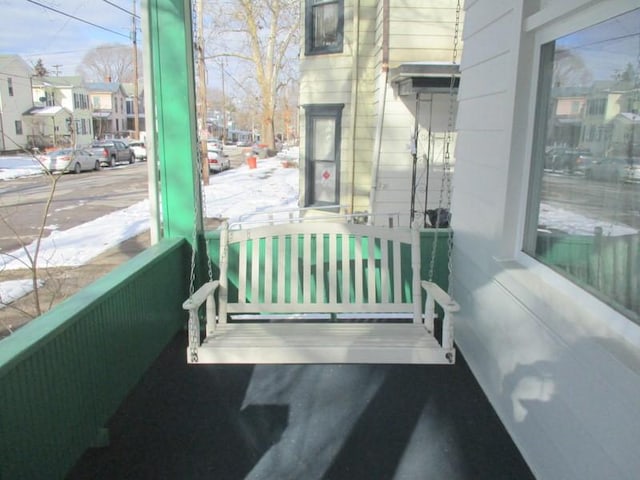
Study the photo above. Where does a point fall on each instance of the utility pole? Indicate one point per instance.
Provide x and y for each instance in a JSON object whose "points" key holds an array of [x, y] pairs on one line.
{"points": [[136, 113], [224, 106], [201, 93]]}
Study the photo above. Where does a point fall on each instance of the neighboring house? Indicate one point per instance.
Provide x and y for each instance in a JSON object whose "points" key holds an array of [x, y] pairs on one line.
{"points": [[545, 265], [109, 110], [374, 76], [70, 93], [48, 127], [130, 103], [15, 99], [625, 135]]}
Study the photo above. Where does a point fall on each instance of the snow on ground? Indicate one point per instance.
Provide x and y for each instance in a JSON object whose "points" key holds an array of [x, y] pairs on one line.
{"points": [[13, 289], [19, 166], [240, 192], [237, 194], [575, 224]]}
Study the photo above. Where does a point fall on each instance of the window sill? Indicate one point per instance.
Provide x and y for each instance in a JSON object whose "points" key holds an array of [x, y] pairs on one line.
{"points": [[569, 311]]}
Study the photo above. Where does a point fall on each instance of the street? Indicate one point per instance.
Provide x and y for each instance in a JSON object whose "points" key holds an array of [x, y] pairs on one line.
{"points": [[616, 202], [78, 199]]}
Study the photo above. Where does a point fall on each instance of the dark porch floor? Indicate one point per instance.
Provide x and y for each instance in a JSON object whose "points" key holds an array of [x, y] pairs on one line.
{"points": [[304, 423]]}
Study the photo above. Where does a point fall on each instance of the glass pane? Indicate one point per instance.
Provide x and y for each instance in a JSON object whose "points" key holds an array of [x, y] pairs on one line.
{"points": [[588, 199], [324, 179], [325, 25], [324, 139]]}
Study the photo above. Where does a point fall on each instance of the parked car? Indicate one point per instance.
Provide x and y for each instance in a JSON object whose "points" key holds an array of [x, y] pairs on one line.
{"points": [[112, 152], [69, 160], [632, 173], [614, 169], [213, 143], [569, 160], [217, 160], [139, 150]]}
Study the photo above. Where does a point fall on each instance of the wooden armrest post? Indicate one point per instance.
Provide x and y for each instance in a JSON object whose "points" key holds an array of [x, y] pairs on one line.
{"points": [[449, 306], [204, 294]]}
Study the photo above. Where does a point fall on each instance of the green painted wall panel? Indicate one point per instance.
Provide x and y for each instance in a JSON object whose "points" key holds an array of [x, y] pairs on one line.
{"points": [[64, 374]]}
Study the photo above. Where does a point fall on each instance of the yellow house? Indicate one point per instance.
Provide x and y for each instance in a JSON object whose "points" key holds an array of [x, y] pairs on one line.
{"points": [[375, 92]]}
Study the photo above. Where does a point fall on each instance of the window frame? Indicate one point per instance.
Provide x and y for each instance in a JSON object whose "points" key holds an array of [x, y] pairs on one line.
{"points": [[321, 111], [310, 48], [540, 93]]}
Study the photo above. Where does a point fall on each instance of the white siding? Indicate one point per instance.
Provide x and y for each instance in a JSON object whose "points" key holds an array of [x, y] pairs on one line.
{"points": [[560, 367], [16, 71], [416, 33]]}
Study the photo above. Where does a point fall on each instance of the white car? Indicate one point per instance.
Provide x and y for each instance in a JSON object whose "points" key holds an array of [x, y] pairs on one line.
{"points": [[217, 160], [69, 160], [139, 150]]}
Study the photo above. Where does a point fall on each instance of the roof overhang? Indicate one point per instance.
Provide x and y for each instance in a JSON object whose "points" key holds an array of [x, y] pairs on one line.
{"points": [[425, 77]]}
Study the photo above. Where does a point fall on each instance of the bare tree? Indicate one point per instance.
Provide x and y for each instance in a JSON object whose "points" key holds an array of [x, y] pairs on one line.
{"points": [[264, 35], [570, 70], [31, 253], [110, 62]]}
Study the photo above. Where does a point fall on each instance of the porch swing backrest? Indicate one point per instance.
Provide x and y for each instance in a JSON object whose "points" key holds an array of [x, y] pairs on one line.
{"points": [[319, 268]]}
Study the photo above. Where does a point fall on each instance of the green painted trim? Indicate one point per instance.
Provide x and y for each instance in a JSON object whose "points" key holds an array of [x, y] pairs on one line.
{"points": [[47, 326], [73, 366], [172, 70]]}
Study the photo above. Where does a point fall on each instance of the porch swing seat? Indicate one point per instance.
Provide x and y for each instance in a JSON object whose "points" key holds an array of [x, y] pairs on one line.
{"points": [[317, 293]]}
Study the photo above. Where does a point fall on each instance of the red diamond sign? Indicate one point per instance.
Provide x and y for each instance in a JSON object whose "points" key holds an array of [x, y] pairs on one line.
{"points": [[326, 175]]}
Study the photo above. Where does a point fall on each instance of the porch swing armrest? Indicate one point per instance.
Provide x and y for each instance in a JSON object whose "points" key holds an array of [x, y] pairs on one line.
{"points": [[441, 297], [200, 295], [435, 294]]}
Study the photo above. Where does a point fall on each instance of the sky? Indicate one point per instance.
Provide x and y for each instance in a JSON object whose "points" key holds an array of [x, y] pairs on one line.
{"points": [[34, 29], [272, 187]]}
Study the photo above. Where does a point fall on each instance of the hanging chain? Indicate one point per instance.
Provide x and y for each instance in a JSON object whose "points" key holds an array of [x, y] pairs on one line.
{"points": [[445, 183], [194, 320]]}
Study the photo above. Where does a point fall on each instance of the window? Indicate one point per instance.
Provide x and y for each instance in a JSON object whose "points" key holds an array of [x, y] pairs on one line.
{"points": [[583, 218], [18, 127], [323, 127], [324, 23], [10, 86]]}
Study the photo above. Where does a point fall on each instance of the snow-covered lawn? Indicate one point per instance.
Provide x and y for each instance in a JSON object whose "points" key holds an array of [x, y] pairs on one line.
{"points": [[236, 193]]}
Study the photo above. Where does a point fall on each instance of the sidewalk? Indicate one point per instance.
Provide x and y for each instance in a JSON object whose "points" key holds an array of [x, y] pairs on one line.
{"points": [[61, 283]]}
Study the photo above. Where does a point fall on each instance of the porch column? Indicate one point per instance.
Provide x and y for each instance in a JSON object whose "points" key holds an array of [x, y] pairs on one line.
{"points": [[171, 127]]}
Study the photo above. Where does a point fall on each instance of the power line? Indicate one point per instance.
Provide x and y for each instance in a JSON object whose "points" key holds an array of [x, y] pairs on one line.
{"points": [[63, 52], [78, 19], [120, 8]]}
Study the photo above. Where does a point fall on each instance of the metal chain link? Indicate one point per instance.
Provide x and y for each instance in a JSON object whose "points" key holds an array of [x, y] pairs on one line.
{"points": [[446, 175], [194, 323]]}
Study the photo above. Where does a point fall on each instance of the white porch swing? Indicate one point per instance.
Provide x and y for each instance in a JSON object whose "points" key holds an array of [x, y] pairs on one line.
{"points": [[324, 292]]}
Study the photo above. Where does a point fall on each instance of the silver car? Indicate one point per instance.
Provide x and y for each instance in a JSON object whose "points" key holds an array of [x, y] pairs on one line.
{"points": [[69, 160]]}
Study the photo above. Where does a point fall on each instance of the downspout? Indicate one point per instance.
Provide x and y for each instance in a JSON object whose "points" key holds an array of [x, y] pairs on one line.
{"points": [[354, 98], [382, 101]]}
